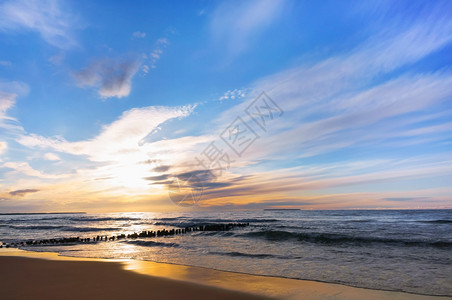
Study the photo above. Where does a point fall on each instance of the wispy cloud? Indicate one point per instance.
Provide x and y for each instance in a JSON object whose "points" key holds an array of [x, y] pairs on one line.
{"points": [[237, 24], [26, 169], [155, 55], [51, 156], [3, 147], [151, 59], [111, 78], [9, 91], [6, 101], [139, 34], [117, 138], [57, 59], [233, 94], [349, 102], [48, 18], [337, 103]]}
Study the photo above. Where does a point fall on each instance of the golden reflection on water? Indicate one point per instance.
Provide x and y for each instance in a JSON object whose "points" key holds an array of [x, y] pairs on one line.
{"points": [[268, 286], [158, 269], [280, 288]]}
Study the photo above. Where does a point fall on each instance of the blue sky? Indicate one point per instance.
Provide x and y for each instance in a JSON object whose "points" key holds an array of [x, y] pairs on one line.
{"points": [[104, 105]]}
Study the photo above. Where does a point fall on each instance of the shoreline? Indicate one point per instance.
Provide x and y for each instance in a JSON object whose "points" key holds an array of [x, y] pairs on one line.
{"points": [[205, 279]]}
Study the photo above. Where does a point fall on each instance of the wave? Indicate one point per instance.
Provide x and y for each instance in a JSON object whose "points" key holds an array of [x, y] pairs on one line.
{"points": [[257, 220], [241, 254], [214, 233], [253, 255], [61, 228], [170, 219], [201, 222], [90, 229], [35, 227], [294, 227], [89, 219], [29, 220], [65, 219], [329, 238], [360, 221], [152, 244], [437, 221]]}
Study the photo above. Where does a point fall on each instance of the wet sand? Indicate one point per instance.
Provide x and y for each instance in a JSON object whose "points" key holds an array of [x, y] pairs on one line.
{"points": [[34, 275]]}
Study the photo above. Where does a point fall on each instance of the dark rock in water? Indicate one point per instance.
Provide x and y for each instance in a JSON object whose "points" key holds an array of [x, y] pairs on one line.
{"points": [[158, 233]]}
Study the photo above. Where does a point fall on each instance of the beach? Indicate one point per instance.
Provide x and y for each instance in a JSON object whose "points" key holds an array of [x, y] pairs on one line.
{"points": [[34, 275], [401, 251], [28, 278]]}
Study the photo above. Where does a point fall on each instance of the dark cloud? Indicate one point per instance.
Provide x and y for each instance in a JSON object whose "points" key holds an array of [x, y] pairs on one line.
{"points": [[215, 185], [161, 168], [405, 198], [204, 179], [157, 178], [146, 162], [197, 176], [112, 78], [267, 204], [102, 178], [166, 182], [21, 193]]}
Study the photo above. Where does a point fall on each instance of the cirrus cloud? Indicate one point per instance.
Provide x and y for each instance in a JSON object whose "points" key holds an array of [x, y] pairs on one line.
{"points": [[47, 17]]}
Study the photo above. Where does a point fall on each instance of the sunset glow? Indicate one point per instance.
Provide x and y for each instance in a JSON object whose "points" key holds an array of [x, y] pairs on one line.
{"points": [[97, 116]]}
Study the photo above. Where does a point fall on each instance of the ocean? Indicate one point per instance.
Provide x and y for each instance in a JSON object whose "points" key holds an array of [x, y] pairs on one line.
{"points": [[397, 250]]}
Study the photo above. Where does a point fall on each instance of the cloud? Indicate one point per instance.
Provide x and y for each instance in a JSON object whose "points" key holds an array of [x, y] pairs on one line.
{"points": [[139, 34], [26, 169], [51, 156], [150, 60], [6, 101], [162, 168], [112, 78], [3, 147], [13, 88], [157, 178], [47, 17], [57, 59], [303, 180], [115, 153], [21, 193], [155, 55], [405, 199], [233, 94], [342, 101], [145, 69], [238, 23], [118, 138], [9, 91], [360, 102], [358, 112], [5, 63]]}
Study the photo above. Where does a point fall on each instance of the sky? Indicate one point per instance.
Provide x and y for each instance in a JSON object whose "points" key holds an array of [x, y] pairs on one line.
{"points": [[225, 105]]}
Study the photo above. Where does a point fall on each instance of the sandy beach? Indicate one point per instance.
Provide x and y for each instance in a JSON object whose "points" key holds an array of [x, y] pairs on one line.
{"points": [[34, 275], [28, 278]]}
